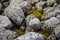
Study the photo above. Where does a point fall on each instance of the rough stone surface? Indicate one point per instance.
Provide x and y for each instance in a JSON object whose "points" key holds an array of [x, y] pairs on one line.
{"points": [[29, 18], [35, 23], [16, 14], [51, 23], [5, 22], [31, 36], [50, 2], [39, 5], [33, 1], [57, 31], [7, 35]]}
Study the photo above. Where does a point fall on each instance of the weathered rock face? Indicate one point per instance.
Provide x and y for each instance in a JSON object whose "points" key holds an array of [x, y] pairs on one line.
{"points": [[32, 1], [57, 31], [29, 18], [57, 9], [51, 23], [50, 2], [7, 35], [15, 13], [5, 22], [58, 17], [35, 23], [31, 36], [52, 37], [48, 15], [39, 5]]}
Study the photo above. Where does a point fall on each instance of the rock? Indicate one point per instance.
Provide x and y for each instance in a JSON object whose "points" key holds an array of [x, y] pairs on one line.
{"points": [[48, 15], [29, 18], [7, 35], [16, 14], [25, 5], [52, 37], [31, 36], [39, 5], [5, 22], [58, 17], [35, 23], [57, 31], [32, 1], [48, 9], [2, 30], [57, 9], [51, 23], [50, 2]]}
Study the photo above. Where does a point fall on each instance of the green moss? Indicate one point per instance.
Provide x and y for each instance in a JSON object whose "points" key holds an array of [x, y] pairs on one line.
{"points": [[36, 13], [20, 32], [44, 33]]}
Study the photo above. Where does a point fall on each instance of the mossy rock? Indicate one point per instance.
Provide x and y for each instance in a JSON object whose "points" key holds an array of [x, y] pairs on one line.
{"points": [[36, 13], [20, 32], [44, 33], [44, 6]]}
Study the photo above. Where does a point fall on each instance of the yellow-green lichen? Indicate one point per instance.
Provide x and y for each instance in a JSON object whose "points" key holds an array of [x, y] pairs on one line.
{"points": [[20, 32], [36, 13]]}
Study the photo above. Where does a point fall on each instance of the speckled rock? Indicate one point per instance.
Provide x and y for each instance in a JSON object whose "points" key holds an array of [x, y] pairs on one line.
{"points": [[52, 37], [48, 9], [7, 35], [57, 9], [51, 23], [32, 1], [50, 2], [29, 18], [16, 14], [58, 17], [35, 23], [31, 36], [25, 5], [39, 5], [57, 31], [48, 15], [5, 22]]}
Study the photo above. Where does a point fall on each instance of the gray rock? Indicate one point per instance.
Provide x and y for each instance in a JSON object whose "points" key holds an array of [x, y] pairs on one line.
{"points": [[5, 22], [7, 35], [57, 31], [51, 23], [57, 9], [29, 18], [15, 13], [32, 1], [50, 2], [49, 15], [48, 9], [39, 5], [31, 36], [52, 37], [35, 23], [58, 17]]}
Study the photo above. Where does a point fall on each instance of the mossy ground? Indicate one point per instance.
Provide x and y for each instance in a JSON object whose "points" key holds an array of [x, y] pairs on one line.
{"points": [[20, 32]]}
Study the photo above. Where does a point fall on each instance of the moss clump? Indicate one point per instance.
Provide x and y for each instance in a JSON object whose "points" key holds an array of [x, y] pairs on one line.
{"points": [[44, 33], [36, 13], [20, 32]]}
